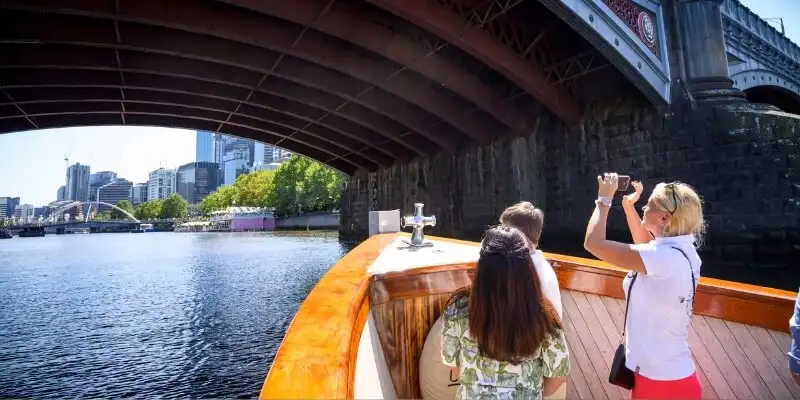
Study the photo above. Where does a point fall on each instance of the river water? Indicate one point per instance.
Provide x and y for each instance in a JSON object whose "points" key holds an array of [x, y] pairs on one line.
{"points": [[180, 315]]}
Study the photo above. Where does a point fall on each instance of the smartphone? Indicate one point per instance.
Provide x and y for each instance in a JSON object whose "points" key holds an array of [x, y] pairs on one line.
{"points": [[623, 182]]}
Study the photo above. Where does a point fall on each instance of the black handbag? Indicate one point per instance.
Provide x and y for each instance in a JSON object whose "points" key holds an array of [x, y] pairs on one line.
{"points": [[620, 375]]}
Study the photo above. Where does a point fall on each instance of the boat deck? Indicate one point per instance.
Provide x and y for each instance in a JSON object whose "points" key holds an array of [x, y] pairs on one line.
{"points": [[734, 361], [738, 335]]}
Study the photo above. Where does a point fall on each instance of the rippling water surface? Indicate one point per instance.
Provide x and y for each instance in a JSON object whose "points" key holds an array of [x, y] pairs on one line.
{"points": [[156, 314]]}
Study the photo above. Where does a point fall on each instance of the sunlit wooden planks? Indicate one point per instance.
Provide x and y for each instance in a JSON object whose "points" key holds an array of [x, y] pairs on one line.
{"points": [[317, 356], [734, 361], [403, 326]]}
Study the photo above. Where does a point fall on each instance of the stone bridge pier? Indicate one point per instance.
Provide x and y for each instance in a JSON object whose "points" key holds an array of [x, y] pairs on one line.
{"points": [[742, 157]]}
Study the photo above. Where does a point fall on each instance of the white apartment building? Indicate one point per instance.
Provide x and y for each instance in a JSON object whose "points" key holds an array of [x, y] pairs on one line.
{"points": [[160, 184]]}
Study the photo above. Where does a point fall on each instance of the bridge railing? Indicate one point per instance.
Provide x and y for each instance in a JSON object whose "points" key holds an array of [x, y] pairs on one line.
{"points": [[71, 222], [736, 12]]}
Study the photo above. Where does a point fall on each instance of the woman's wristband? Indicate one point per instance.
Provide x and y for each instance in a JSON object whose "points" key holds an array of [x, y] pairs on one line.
{"points": [[606, 201]]}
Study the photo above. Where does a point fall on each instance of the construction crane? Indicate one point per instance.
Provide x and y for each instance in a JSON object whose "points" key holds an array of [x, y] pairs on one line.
{"points": [[66, 175]]}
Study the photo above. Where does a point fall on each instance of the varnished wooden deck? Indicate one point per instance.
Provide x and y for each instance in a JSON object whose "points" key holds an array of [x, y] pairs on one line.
{"points": [[738, 336], [734, 361]]}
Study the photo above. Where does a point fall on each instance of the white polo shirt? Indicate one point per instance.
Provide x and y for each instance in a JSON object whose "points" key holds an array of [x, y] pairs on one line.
{"points": [[660, 309], [548, 280]]}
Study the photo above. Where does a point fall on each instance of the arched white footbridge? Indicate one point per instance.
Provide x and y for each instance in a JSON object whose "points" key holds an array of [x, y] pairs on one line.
{"points": [[60, 210]]}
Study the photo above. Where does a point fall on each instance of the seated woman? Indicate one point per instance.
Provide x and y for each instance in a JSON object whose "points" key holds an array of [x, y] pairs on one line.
{"points": [[665, 269], [501, 335]]}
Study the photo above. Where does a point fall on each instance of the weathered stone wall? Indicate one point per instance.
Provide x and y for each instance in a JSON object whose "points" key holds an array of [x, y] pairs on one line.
{"points": [[744, 163], [466, 191], [322, 220]]}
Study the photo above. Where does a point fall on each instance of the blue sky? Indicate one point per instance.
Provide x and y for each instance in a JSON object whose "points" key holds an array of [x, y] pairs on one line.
{"points": [[789, 10], [33, 162]]}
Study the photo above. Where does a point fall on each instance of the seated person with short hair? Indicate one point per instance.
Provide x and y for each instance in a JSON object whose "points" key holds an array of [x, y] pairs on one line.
{"points": [[530, 220]]}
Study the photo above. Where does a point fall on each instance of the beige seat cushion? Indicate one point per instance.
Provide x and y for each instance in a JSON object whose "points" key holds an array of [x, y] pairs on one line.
{"points": [[435, 379]]}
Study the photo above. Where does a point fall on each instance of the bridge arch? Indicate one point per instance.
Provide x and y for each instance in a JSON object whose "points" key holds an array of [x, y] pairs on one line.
{"points": [[766, 86], [61, 208], [99, 203], [354, 84]]}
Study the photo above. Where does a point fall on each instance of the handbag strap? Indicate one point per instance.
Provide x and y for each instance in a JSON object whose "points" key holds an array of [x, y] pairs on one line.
{"points": [[628, 303], [630, 291], [691, 269]]}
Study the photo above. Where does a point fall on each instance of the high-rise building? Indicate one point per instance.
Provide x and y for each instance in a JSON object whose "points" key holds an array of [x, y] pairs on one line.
{"points": [[77, 187], [225, 145], [161, 184], [113, 193], [98, 179], [204, 146], [184, 181], [8, 205], [24, 213], [259, 153], [41, 212], [236, 163], [197, 180], [269, 154], [139, 193], [281, 155], [61, 194]]}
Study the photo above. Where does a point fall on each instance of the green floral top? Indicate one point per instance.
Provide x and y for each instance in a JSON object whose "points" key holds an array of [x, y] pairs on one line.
{"points": [[482, 377]]}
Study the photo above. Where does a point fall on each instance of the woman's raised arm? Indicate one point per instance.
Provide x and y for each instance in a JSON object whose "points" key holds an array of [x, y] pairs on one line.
{"points": [[639, 234], [595, 242]]}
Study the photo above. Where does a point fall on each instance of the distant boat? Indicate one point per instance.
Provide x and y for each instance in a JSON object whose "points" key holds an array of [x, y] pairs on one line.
{"points": [[32, 232]]}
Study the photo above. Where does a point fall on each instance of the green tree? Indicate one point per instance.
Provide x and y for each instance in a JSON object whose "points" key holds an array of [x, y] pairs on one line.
{"points": [[225, 196], [303, 185], [288, 186], [193, 210], [253, 189], [298, 185], [173, 206], [321, 188], [125, 205], [148, 210]]}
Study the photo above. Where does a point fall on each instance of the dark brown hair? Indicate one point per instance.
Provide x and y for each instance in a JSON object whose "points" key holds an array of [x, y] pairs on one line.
{"points": [[509, 317], [525, 217]]}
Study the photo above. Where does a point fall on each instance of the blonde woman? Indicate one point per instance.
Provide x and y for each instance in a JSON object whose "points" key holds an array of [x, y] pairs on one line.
{"points": [[665, 268]]}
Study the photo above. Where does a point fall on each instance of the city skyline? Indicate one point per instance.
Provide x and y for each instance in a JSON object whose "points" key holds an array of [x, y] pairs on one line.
{"points": [[146, 149]]}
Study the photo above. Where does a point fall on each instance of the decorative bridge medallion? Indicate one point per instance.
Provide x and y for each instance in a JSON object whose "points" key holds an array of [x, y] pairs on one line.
{"points": [[639, 20], [647, 30]]}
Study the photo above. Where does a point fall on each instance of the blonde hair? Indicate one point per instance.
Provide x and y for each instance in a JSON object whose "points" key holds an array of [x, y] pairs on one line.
{"points": [[686, 207], [525, 217]]}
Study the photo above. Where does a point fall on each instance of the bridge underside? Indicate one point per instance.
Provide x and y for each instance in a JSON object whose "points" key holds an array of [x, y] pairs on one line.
{"points": [[356, 84], [777, 96]]}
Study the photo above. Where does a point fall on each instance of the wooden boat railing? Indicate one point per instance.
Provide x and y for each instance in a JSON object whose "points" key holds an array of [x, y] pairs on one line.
{"points": [[317, 356]]}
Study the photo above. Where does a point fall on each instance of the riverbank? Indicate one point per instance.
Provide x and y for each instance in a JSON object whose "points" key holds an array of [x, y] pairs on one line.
{"points": [[315, 221]]}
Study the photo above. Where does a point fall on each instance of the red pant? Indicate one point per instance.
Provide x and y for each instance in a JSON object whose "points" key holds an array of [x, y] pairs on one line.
{"points": [[686, 388]]}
